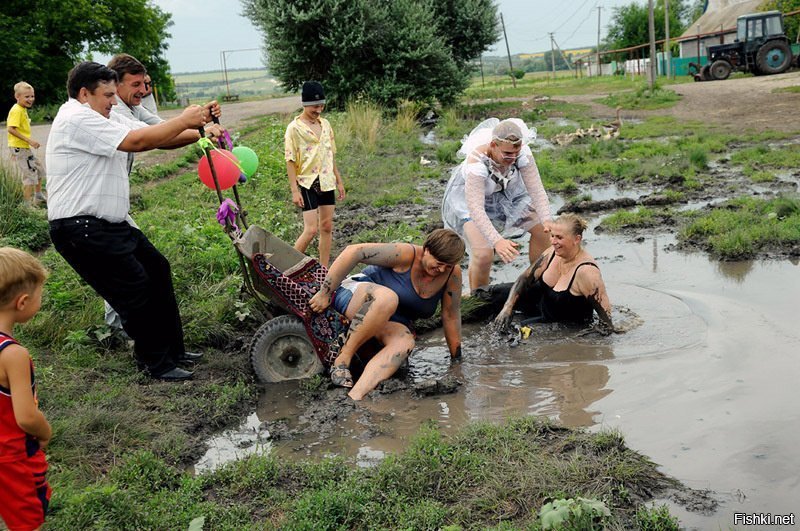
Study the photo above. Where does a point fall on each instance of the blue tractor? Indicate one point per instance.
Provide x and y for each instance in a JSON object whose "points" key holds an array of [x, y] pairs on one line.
{"points": [[761, 47]]}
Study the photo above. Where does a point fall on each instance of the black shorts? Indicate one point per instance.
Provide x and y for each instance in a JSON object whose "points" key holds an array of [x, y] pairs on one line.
{"points": [[314, 197]]}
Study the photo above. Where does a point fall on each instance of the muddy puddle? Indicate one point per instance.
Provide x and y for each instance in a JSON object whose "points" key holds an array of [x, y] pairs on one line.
{"points": [[704, 382]]}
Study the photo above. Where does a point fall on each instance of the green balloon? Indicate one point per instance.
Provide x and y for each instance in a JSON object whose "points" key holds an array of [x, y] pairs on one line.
{"points": [[248, 159]]}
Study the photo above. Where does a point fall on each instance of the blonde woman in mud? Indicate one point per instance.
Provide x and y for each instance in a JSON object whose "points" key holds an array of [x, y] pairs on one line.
{"points": [[403, 282], [564, 285], [496, 188]]}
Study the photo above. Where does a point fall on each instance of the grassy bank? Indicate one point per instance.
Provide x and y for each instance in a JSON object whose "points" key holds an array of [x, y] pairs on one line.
{"points": [[122, 441], [485, 477]]}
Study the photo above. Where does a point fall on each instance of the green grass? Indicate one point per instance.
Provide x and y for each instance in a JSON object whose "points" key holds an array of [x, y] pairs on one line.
{"points": [[745, 227], [642, 98], [207, 85], [21, 226], [479, 477], [793, 90], [759, 158], [656, 519], [629, 219], [542, 84]]}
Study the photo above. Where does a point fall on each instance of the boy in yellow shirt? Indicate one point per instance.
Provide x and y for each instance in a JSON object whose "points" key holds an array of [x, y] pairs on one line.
{"points": [[313, 176], [20, 144]]}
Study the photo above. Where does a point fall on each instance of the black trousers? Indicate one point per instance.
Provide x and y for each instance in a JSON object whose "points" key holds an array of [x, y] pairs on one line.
{"points": [[124, 268]]}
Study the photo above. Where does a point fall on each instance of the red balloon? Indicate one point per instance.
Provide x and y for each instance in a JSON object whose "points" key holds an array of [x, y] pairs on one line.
{"points": [[226, 167]]}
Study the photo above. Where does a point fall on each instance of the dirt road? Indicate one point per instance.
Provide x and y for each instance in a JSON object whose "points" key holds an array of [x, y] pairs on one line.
{"points": [[734, 104]]}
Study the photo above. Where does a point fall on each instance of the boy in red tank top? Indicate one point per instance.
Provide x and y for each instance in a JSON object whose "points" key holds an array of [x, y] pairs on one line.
{"points": [[24, 432]]}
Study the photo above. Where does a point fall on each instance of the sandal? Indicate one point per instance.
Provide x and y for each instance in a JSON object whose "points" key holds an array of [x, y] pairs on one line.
{"points": [[341, 376]]}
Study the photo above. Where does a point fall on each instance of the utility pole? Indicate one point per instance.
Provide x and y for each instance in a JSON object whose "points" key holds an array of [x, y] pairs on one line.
{"points": [[560, 52], [552, 56], [651, 77], [508, 51], [224, 64], [667, 50], [599, 72]]}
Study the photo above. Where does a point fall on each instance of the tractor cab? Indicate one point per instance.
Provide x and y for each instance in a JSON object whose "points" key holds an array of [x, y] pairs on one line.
{"points": [[755, 28], [761, 47]]}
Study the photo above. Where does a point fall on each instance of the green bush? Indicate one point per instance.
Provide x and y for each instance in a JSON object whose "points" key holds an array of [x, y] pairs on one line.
{"points": [[384, 51]]}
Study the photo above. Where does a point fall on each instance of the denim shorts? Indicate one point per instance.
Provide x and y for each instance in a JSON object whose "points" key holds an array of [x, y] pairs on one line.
{"points": [[344, 294]]}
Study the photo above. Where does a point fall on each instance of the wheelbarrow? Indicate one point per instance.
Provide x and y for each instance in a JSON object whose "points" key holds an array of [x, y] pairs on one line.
{"points": [[299, 343], [294, 342]]}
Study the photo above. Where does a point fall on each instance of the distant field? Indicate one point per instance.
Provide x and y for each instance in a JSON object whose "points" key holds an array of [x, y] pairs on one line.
{"points": [[245, 83]]}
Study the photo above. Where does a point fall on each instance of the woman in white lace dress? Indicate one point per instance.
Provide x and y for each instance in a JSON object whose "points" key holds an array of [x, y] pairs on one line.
{"points": [[495, 189]]}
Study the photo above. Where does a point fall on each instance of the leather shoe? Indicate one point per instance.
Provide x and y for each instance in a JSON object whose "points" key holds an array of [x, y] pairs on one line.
{"points": [[190, 356], [175, 375]]}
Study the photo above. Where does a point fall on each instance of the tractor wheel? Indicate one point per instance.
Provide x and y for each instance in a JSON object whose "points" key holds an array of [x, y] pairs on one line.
{"points": [[705, 73], [774, 57], [720, 69], [280, 350]]}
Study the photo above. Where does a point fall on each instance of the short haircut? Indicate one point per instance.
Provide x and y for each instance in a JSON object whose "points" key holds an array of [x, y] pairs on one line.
{"points": [[123, 63], [574, 222], [88, 74], [445, 245], [19, 273], [19, 87]]}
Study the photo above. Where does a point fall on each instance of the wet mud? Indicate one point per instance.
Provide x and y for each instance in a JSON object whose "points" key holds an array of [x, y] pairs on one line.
{"points": [[702, 380]]}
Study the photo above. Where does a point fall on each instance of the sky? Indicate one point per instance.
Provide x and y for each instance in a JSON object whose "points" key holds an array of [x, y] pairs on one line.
{"points": [[205, 28]]}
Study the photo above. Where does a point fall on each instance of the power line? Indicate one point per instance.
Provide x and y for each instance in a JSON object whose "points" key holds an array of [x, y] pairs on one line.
{"points": [[581, 23], [570, 17]]}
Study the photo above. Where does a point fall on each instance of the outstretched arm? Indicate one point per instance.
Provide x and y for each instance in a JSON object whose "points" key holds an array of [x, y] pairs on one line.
{"points": [[155, 136], [520, 285], [451, 313], [381, 254]]}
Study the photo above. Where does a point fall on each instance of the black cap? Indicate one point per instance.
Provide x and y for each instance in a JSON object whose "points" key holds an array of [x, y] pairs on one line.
{"points": [[313, 93]]}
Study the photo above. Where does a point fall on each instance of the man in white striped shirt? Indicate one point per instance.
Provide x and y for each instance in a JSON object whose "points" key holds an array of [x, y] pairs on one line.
{"points": [[89, 216]]}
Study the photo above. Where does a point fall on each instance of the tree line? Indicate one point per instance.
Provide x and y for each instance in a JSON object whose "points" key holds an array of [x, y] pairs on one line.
{"points": [[43, 40]]}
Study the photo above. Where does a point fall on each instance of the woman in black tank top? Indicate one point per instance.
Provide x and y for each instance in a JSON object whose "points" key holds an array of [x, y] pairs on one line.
{"points": [[565, 278]]}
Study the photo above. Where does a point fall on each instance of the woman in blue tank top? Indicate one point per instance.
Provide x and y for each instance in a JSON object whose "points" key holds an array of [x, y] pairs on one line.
{"points": [[565, 279], [402, 282]]}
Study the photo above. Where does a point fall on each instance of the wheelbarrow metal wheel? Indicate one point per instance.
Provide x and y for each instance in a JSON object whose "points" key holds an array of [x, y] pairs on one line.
{"points": [[280, 350]]}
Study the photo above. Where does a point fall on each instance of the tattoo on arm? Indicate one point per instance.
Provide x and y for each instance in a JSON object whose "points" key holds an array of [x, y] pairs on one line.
{"points": [[367, 255], [326, 286], [385, 255], [358, 318]]}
